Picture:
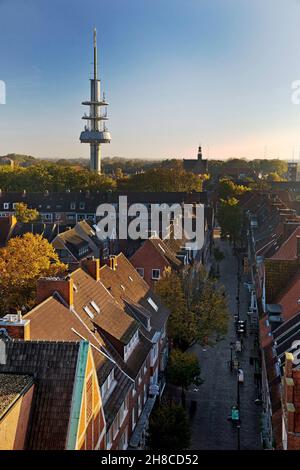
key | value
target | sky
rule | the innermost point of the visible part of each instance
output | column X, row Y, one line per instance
column 177, row 73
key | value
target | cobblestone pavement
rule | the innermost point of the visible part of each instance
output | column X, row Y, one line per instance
column 210, row 428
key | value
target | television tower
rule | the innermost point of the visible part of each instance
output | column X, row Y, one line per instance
column 95, row 132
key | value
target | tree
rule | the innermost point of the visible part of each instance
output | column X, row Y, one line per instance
column 169, row 428
column 229, row 216
column 22, row 262
column 274, row 177
column 183, row 370
column 182, row 325
column 219, row 256
column 212, row 313
column 25, row 215
column 162, row 179
column 227, row 189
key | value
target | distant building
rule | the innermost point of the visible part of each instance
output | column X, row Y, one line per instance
column 6, row 161
column 292, row 171
column 198, row 167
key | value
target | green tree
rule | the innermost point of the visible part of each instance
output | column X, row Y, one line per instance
column 183, row 370
column 219, row 257
column 169, row 429
column 227, row 189
column 22, row 262
column 182, row 324
column 229, row 216
column 211, row 311
column 162, row 179
column 24, row 214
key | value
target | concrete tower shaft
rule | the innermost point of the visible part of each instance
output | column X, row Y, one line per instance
column 95, row 132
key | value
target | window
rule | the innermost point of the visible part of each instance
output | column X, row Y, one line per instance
column 152, row 303
column 133, row 419
column 108, row 386
column 95, row 306
column 46, row 216
column 141, row 271
column 88, row 311
column 129, row 347
column 73, row 206
column 155, row 274
column 130, row 278
column 109, row 439
column 145, row 393
column 139, row 405
column 6, row 205
column 123, row 441
column 15, row 205
column 81, row 205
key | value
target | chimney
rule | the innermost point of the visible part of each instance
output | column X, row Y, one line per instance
column 46, row 287
column 113, row 262
column 92, row 266
column 298, row 246
column 16, row 327
column 200, row 153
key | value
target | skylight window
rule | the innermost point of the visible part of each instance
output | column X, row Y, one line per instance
column 152, row 303
column 75, row 288
column 88, row 311
column 130, row 278
column 122, row 287
column 95, row 306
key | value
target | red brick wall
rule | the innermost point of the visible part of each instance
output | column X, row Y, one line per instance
column 149, row 258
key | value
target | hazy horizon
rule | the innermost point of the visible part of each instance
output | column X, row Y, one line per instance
column 176, row 73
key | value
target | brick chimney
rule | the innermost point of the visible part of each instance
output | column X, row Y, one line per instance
column 92, row 266
column 46, row 287
column 113, row 262
column 16, row 327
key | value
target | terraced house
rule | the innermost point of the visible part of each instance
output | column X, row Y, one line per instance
column 112, row 313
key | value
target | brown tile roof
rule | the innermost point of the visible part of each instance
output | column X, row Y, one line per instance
column 112, row 318
column 11, row 387
column 165, row 251
column 288, row 250
column 289, row 298
column 136, row 291
column 53, row 365
column 52, row 321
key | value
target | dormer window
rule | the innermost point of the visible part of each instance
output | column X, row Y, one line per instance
column 95, row 306
column 152, row 303
column 129, row 347
column 88, row 311
column 155, row 274
column 141, row 271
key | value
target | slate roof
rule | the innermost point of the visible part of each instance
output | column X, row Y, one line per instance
column 289, row 298
column 53, row 365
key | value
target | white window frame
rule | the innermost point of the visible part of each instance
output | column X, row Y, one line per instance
column 154, row 278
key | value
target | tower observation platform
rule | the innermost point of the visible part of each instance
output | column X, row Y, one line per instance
column 95, row 132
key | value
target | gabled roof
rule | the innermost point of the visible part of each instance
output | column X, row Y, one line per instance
column 128, row 287
column 52, row 321
column 53, row 365
column 289, row 298
column 112, row 319
column 288, row 250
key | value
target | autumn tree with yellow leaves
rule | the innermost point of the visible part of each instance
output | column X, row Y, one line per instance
column 22, row 262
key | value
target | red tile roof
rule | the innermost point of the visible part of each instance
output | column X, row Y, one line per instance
column 288, row 250
column 289, row 299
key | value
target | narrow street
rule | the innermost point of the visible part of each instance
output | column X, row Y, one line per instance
column 211, row 429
